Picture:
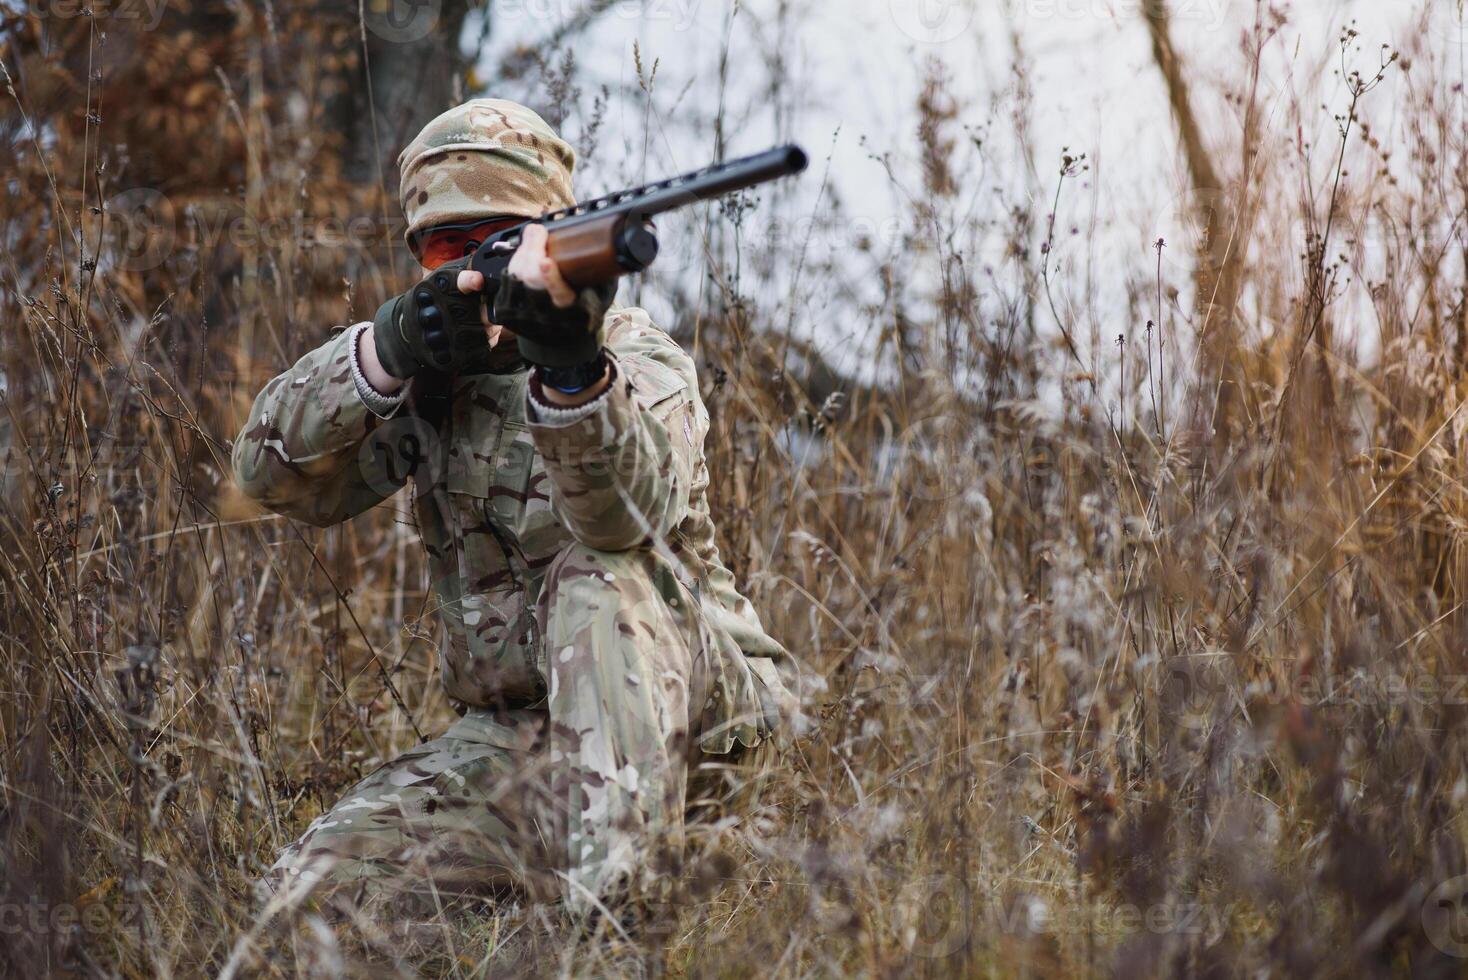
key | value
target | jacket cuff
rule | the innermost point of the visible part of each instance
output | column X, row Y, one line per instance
column 542, row 412
column 579, row 437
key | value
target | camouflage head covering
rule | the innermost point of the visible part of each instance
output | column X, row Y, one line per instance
column 485, row 158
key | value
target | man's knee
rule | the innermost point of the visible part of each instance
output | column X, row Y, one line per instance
column 581, row 575
column 597, row 602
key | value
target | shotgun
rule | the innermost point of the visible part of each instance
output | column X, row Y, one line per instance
column 594, row 243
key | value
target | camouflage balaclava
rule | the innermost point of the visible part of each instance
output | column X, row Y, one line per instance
column 485, row 158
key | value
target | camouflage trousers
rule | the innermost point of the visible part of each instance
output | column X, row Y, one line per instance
column 569, row 797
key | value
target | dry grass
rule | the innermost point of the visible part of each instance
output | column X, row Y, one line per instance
column 1138, row 659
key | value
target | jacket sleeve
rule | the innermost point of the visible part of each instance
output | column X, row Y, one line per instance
column 622, row 468
column 305, row 452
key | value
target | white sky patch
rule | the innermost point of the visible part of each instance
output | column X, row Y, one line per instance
column 849, row 76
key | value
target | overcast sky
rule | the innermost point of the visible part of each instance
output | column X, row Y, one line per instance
column 852, row 70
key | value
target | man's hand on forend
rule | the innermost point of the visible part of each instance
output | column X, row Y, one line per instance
column 558, row 326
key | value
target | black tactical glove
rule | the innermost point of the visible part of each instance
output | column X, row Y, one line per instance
column 432, row 326
column 551, row 336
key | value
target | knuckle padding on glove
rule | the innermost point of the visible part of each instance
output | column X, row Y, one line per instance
column 393, row 350
column 432, row 326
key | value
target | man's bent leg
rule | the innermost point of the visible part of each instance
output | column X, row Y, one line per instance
column 624, row 663
column 454, row 815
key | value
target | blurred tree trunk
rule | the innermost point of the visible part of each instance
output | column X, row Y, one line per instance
column 381, row 70
column 247, row 141
column 1222, row 248
column 410, row 69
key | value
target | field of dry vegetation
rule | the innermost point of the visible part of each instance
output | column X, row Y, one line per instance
column 1137, row 639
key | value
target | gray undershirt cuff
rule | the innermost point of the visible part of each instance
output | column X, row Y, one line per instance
column 383, row 406
column 547, row 414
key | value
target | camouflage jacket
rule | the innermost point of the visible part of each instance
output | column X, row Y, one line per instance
column 497, row 497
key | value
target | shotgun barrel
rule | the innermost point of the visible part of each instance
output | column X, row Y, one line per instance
column 597, row 241
column 663, row 196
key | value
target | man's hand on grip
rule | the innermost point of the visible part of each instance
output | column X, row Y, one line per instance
column 435, row 325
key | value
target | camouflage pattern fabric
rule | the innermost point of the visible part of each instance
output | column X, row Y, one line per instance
column 568, row 797
column 576, row 574
column 487, row 157
column 461, row 813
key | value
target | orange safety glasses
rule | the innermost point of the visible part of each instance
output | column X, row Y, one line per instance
column 441, row 244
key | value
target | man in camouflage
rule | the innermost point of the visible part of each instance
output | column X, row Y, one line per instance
column 594, row 641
